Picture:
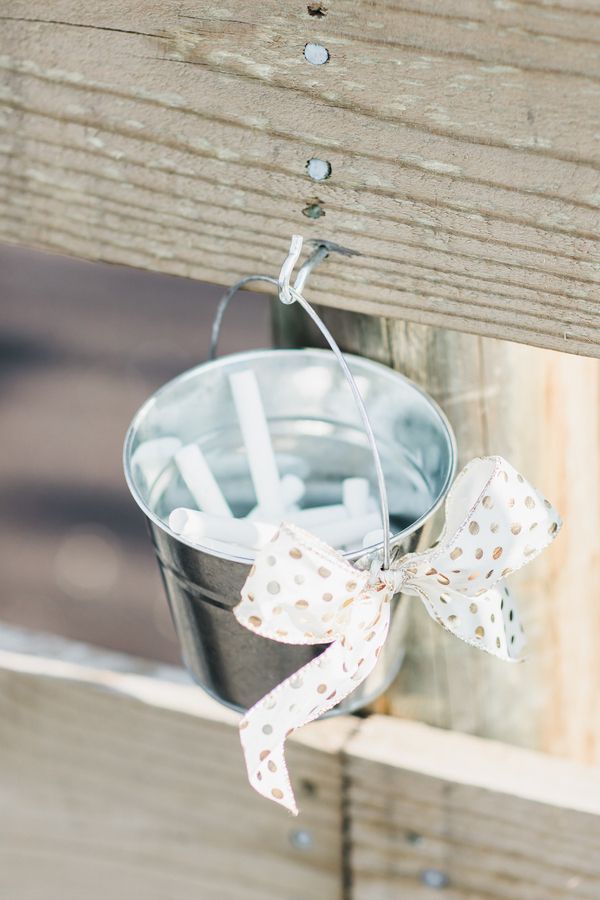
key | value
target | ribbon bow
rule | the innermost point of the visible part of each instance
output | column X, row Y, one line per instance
column 301, row 591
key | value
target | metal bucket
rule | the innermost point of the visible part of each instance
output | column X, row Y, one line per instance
column 317, row 433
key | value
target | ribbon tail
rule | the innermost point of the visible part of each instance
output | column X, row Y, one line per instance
column 306, row 695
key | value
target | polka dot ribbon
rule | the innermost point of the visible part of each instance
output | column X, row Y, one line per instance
column 301, row 591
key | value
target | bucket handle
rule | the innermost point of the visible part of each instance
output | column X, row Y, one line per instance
column 288, row 294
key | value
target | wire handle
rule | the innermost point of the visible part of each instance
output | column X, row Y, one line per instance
column 289, row 294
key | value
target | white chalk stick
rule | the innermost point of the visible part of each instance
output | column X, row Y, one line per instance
column 235, row 465
column 292, row 490
column 200, row 481
column 196, row 525
column 355, row 496
column 373, row 537
column 152, row 456
column 257, row 440
column 317, row 515
column 348, row 531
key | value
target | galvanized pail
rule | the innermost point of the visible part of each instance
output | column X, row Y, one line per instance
column 317, row 433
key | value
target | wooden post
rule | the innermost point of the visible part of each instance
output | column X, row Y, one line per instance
column 540, row 409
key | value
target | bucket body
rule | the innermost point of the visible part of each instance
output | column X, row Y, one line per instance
column 316, row 433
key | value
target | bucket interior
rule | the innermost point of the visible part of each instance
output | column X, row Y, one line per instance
column 315, row 429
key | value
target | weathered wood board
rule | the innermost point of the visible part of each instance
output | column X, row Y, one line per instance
column 462, row 136
column 132, row 786
column 433, row 813
column 117, row 780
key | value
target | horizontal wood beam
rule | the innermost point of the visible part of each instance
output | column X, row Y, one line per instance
column 127, row 785
column 462, row 139
column 120, row 779
column 436, row 809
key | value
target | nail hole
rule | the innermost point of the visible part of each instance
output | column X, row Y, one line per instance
column 313, row 211
column 316, row 54
column 318, row 169
column 413, row 837
column 317, row 9
column 309, row 788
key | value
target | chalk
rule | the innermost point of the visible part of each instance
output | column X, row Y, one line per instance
column 235, row 465
column 323, row 491
column 355, row 496
column 196, row 525
column 239, row 492
column 200, row 481
column 373, row 537
column 318, row 515
column 256, row 437
column 347, row 531
column 292, row 490
column 152, row 456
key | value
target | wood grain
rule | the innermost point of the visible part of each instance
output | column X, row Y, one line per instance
column 125, row 785
column 462, row 139
column 482, row 821
column 541, row 410
column 120, row 781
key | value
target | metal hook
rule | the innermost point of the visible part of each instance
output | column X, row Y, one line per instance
column 322, row 250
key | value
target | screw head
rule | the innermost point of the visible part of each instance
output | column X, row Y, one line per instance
column 435, row 878
column 318, row 169
column 301, row 839
column 316, row 54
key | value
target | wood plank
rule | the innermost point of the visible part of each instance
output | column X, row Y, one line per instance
column 541, row 410
column 119, row 781
column 462, row 139
column 125, row 785
column 433, row 810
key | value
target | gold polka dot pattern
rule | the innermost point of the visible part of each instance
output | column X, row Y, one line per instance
column 301, row 591
column 505, row 523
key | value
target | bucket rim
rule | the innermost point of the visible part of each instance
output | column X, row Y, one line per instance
column 310, row 352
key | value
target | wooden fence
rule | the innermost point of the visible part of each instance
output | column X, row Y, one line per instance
column 462, row 141
column 119, row 779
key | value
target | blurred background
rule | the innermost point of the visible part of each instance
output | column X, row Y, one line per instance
column 82, row 345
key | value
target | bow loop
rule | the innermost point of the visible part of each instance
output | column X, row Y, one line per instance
column 496, row 522
column 300, row 590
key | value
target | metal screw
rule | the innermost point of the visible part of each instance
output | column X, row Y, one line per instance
column 435, row 878
column 318, row 169
column 316, row 54
column 301, row 839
